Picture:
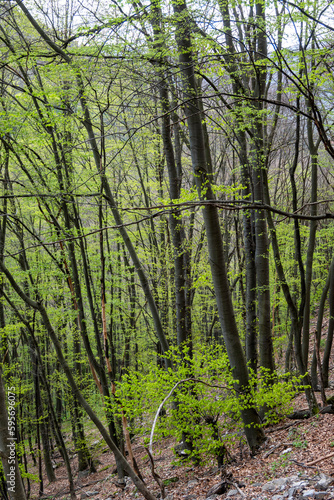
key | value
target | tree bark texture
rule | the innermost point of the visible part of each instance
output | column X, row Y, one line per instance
column 235, row 352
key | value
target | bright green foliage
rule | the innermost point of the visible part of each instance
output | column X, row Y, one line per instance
column 206, row 409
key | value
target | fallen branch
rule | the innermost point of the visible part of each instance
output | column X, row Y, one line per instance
column 302, row 465
column 236, row 487
column 300, row 415
column 266, row 455
column 269, row 431
column 320, row 459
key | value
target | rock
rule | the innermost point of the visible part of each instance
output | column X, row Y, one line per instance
column 324, row 482
column 308, row 493
column 83, row 473
column 315, row 494
column 300, row 484
column 218, row 489
column 192, row 483
column 269, row 487
column 275, row 483
column 88, row 494
column 293, row 478
column 291, row 492
column 278, row 497
column 232, row 493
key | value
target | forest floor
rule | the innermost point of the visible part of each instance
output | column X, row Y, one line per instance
column 291, row 445
column 290, row 449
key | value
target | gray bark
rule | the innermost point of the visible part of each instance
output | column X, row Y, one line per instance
column 313, row 148
column 175, row 218
column 329, row 338
column 235, row 352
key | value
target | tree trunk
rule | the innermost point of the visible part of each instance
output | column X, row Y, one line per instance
column 329, row 338
column 249, row 248
column 15, row 488
column 311, row 242
column 254, row 433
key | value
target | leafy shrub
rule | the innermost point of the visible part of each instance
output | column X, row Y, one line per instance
column 204, row 408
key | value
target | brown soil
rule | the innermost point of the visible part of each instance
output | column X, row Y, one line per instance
column 291, row 445
column 289, row 449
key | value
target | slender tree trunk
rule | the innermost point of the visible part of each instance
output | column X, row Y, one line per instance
column 321, row 310
column 256, row 241
column 295, row 317
column 259, row 181
column 313, row 148
column 329, row 338
column 249, row 248
column 15, row 488
column 38, row 306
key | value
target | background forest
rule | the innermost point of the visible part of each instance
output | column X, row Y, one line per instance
column 166, row 201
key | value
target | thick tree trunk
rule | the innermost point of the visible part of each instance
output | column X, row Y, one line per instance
column 254, row 433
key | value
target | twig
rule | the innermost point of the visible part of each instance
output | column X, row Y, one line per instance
column 303, row 465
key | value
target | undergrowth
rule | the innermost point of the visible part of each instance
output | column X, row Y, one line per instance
column 204, row 409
